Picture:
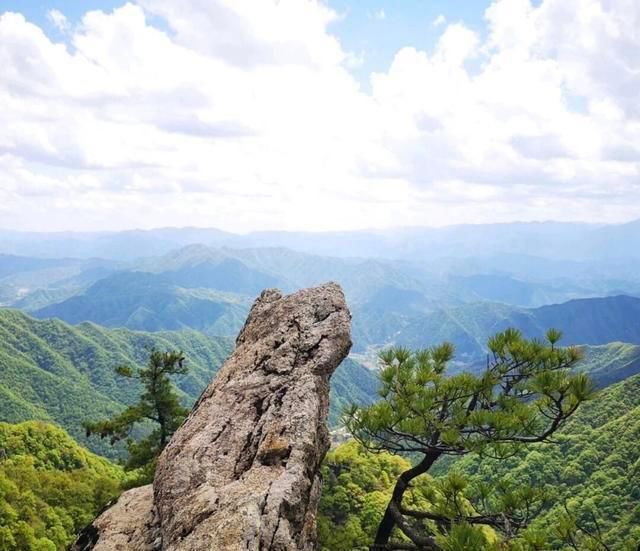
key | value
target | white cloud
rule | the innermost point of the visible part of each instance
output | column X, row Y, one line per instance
column 438, row 21
column 378, row 15
column 243, row 115
column 58, row 19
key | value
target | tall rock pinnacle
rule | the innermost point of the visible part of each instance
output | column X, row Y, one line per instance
column 242, row 473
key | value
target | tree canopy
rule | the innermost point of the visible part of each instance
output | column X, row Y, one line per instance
column 158, row 404
column 50, row 487
column 523, row 396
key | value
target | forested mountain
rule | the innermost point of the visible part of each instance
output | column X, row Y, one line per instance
column 152, row 302
column 51, row 370
column 584, row 321
column 592, row 466
column 610, row 363
column 211, row 290
column 290, row 270
column 50, row 487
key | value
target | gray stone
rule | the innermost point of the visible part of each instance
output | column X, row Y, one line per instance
column 242, row 473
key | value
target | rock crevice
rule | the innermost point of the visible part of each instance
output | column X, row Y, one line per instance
column 242, row 473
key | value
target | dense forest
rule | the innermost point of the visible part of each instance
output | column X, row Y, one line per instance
column 50, row 487
column 51, row 370
column 592, row 466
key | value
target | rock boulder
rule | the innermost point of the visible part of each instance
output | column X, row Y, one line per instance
column 242, row 473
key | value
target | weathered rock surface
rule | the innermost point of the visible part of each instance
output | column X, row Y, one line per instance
column 242, row 473
column 130, row 524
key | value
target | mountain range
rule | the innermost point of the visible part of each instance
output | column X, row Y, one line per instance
column 559, row 240
column 50, row 370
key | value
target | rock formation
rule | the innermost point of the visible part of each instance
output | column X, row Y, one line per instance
column 242, row 473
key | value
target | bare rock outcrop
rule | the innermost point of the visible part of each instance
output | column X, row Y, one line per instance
column 242, row 473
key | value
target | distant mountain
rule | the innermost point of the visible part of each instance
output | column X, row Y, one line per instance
column 211, row 290
column 205, row 267
column 125, row 245
column 50, row 370
column 557, row 240
column 593, row 321
column 585, row 321
column 289, row 270
column 28, row 283
column 12, row 264
column 609, row 363
column 151, row 302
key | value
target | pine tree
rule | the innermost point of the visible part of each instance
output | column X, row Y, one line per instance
column 523, row 396
column 158, row 404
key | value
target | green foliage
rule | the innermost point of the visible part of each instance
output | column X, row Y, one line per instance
column 158, row 404
column 526, row 393
column 50, row 370
column 592, row 468
column 49, row 487
column 357, row 486
column 423, row 408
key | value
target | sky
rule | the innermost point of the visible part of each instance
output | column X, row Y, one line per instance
column 308, row 115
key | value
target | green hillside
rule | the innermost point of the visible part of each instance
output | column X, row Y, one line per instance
column 592, row 465
column 593, row 321
column 54, row 371
column 50, row 487
column 610, row 363
column 151, row 302
column 351, row 383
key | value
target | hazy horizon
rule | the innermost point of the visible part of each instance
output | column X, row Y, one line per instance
column 293, row 231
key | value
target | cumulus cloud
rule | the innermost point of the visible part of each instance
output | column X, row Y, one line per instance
column 244, row 115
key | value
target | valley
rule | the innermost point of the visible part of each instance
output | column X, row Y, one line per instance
column 67, row 323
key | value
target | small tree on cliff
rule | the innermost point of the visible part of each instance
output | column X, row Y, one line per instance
column 158, row 404
column 524, row 396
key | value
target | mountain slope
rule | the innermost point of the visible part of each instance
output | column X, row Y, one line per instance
column 50, row 487
column 27, row 282
column 584, row 321
column 607, row 364
column 151, row 302
column 593, row 464
column 52, row 371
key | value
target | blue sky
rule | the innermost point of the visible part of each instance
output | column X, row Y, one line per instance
column 300, row 115
column 373, row 30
